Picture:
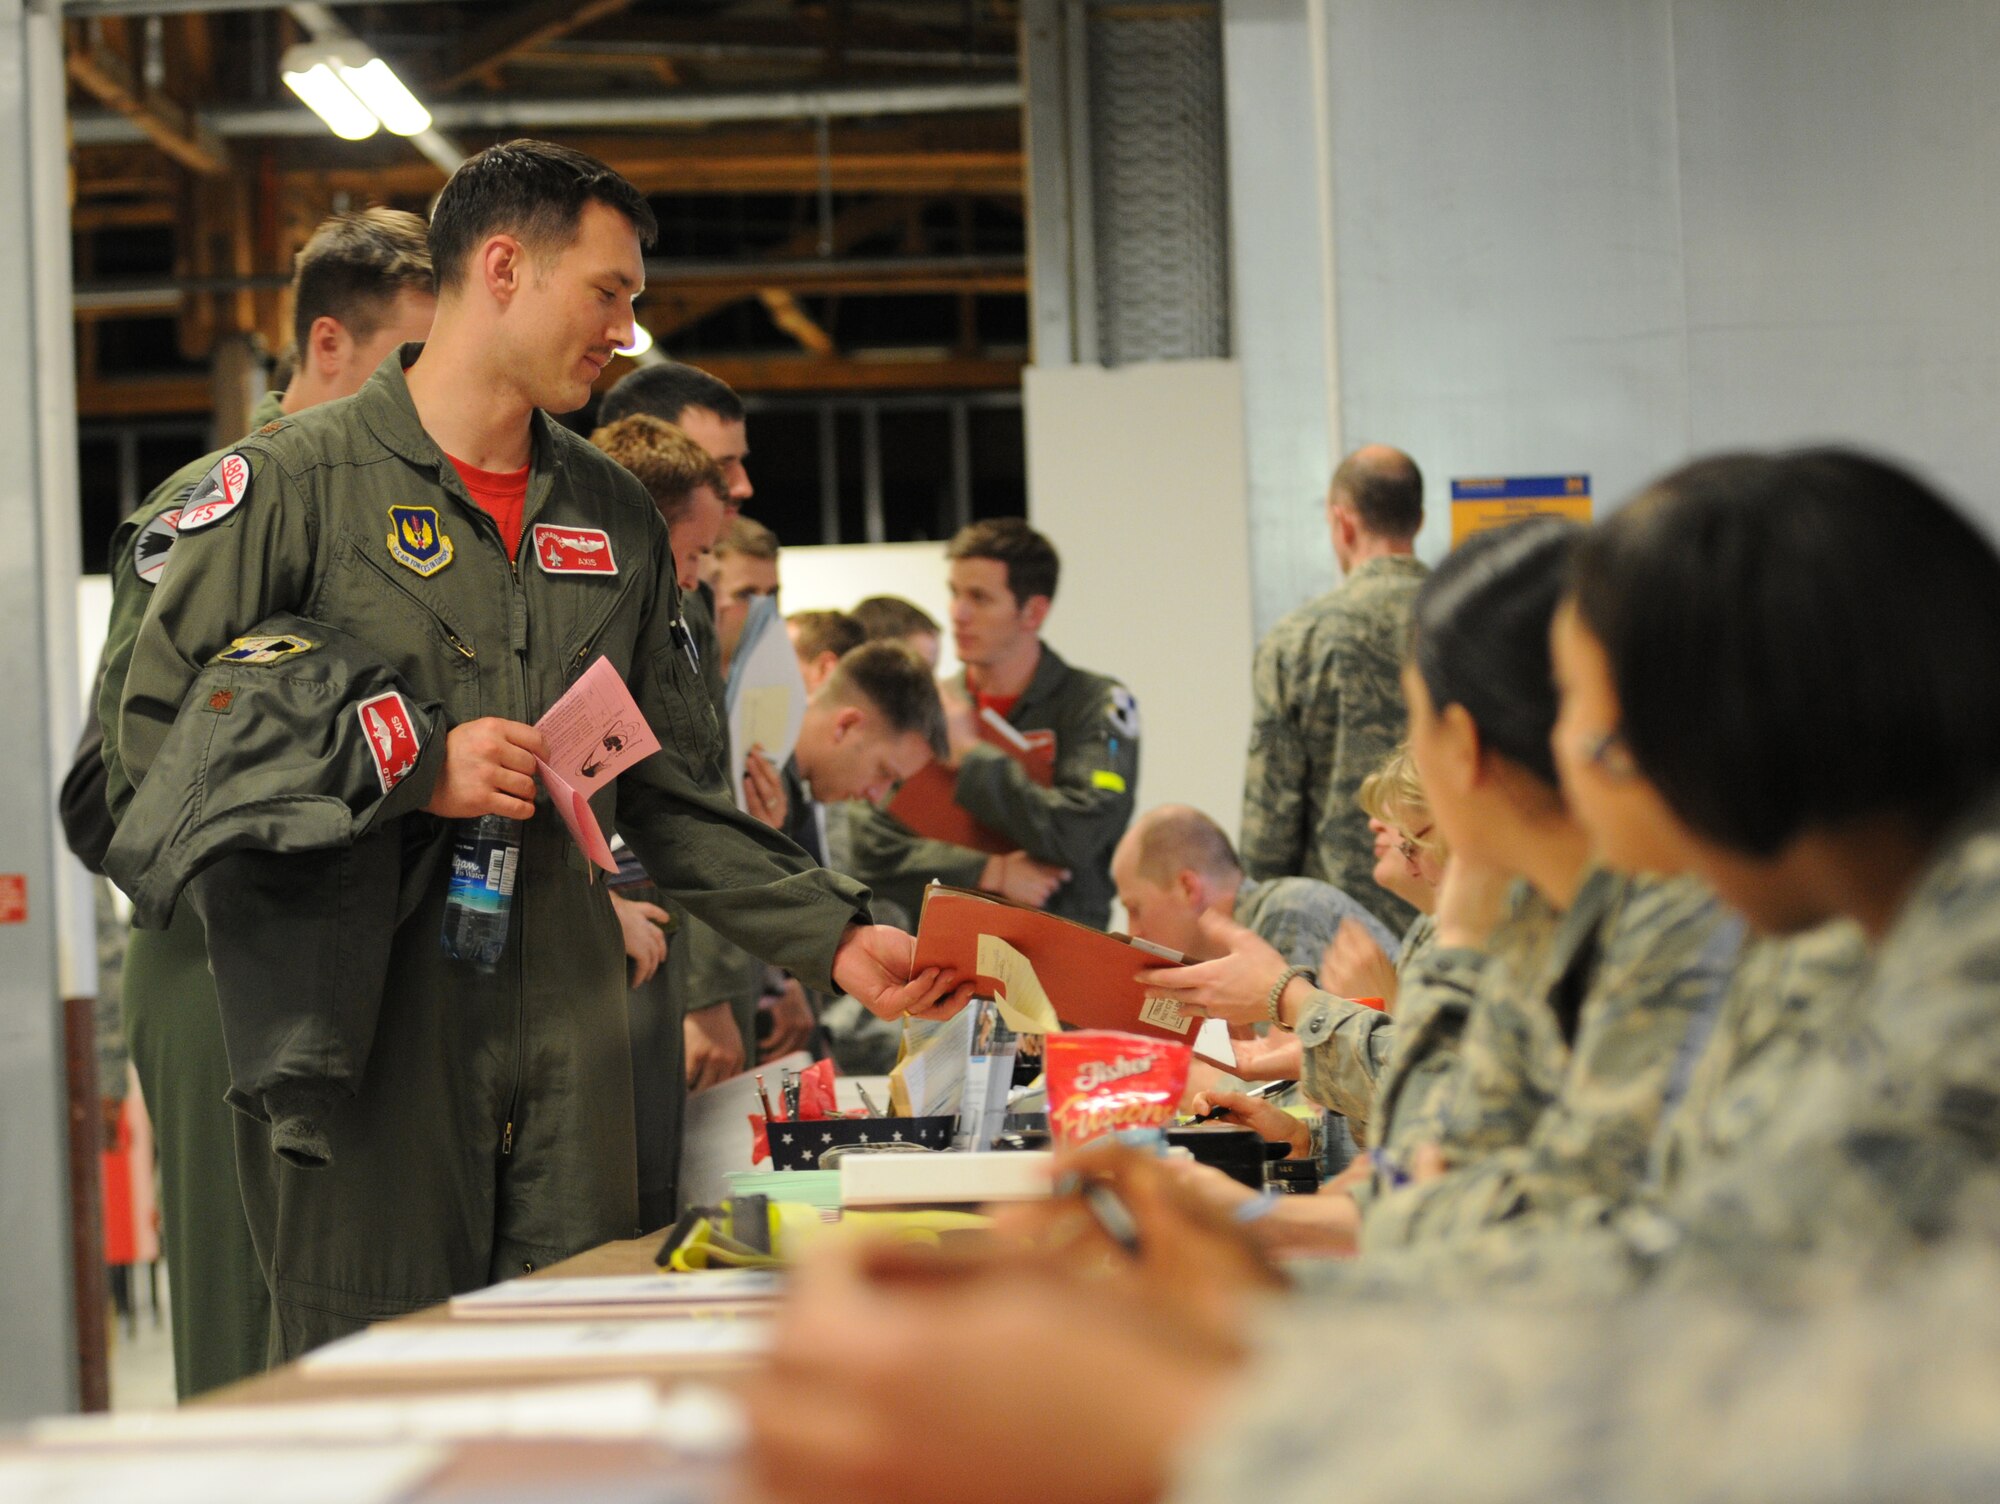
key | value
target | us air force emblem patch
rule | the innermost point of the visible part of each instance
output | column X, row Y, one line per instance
column 417, row 540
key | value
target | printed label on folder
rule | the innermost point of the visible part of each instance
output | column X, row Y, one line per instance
column 1164, row 1013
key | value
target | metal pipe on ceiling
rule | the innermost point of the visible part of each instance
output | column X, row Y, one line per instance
column 104, row 128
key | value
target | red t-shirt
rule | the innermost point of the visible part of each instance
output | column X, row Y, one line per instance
column 504, row 494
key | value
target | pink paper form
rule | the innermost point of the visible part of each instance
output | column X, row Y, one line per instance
column 595, row 732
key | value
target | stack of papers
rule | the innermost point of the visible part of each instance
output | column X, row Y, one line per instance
column 639, row 1294
column 549, row 1346
column 819, row 1189
column 208, row 1475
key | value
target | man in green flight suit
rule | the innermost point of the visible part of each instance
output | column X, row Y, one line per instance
column 1003, row 582
column 491, row 1130
column 361, row 287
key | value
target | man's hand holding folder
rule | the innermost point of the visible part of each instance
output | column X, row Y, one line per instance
column 1089, row 977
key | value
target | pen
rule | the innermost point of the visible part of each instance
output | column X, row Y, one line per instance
column 1268, row 1089
column 1107, row 1209
column 761, row 1097
column 867, row 1101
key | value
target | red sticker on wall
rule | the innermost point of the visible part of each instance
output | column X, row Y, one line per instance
column 13, row 898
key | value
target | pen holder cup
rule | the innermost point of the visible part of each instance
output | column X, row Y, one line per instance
column 798, row 1146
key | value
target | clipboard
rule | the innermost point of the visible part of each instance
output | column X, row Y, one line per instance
column 927, row 802
column 1087, row 973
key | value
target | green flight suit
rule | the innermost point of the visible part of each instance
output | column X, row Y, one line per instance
column 1075, row 824
column 220, row 1308
column 492, row 1132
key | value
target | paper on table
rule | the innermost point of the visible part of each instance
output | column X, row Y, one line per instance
column 411, row 1345
column 724, row 1287
column 1023, row 1003
column 598, row 1409
column 766, row 694
column 594, row 733
column 242, row 1475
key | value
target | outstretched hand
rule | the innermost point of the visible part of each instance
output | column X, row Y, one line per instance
column 873, row 965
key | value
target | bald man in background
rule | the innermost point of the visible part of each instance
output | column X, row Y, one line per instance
column 1329, row 696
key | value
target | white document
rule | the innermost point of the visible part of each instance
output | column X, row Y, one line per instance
column 728, row 1287
column 237, row 1475
column 933, row 1072
column 418, row 1345
column 765, row 694
column 601, row 1409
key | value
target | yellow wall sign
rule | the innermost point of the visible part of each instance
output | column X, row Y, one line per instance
column 1483, row 502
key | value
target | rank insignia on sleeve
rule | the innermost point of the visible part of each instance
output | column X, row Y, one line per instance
column 149, row 549
column 392, row 737
column 573, row 550
column 1124, row 715
column 221, row 492
column 417, row 540
column 262, row 649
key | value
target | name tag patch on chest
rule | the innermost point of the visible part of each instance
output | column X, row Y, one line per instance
column 392, row 737
column 149, row 549
column 417, row 540
column 221, row 492
column 262, row 649
column 573, row 550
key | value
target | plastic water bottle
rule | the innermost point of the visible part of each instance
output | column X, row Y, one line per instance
column 484, row 858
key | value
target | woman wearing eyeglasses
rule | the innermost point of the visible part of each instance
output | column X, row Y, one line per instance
column 1536, row 1050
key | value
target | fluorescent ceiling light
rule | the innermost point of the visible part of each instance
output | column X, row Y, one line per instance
column 376, row 85
column 642, row 340
column 330, row 99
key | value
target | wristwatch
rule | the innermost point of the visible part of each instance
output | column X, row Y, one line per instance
column 1278, row 991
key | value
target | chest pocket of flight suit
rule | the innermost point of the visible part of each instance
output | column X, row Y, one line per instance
column 437, row 661
column 695, row 727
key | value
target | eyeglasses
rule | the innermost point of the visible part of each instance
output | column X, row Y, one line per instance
column 1610, row 753
column 1408, row 847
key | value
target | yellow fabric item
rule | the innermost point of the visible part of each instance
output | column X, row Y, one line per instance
column 794, row 1225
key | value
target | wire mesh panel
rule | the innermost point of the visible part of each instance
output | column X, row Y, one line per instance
column 1158, row 181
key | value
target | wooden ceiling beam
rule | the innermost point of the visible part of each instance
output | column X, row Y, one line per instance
column 517, row 29
column 171, row 127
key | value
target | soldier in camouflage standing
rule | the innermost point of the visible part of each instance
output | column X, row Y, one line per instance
column 1329, row 705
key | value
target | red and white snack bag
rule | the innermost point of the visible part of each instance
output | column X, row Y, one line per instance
column 1105, row 1084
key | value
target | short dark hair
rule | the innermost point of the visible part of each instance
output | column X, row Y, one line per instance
column 1386, row 490
column 666, row 391
column 1799, row 640
column 886, row 618
column 819, row 632
column 353, row 268
column 1480, row 635
column 899, row 685
column 1030, row 559
column 532, row 190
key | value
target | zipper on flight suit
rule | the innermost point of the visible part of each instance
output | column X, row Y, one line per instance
column 518, row 628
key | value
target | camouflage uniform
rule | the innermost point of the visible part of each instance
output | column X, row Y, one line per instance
column 1885, row 1398
column 1392, row 1077
column 1887, row 1137
column 1329, row 710
column 1567, row 1071
column 1299, row 917
column 1347, row 1045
